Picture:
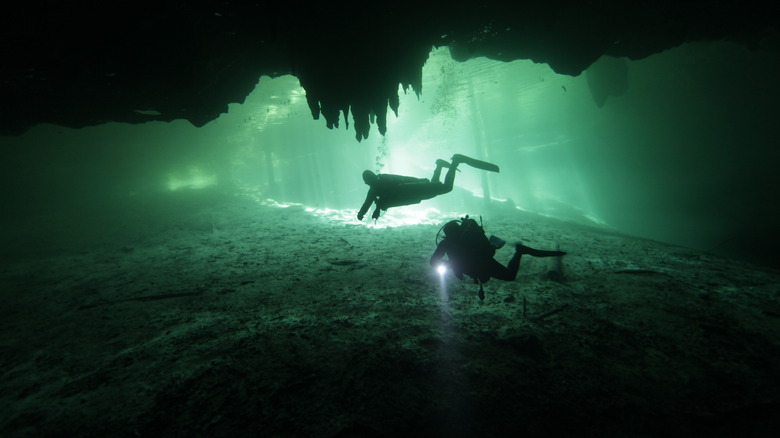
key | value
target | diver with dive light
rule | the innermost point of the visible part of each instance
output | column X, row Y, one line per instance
column 469, row 251
column 388, row 190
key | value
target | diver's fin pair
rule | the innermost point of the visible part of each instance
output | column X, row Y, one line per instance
column 484, row 165
column 522, row 249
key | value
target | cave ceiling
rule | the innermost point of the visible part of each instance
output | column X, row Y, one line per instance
column 141, row 61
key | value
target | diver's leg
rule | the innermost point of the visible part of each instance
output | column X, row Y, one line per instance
column 429, row 190
column 437, row 171
column 508, row 272
column 479, row 164
column 435, row 188
column 449, row 178
column 538, row 252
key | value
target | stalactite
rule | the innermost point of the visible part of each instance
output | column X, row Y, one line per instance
column 335, row 89
column 186, row 68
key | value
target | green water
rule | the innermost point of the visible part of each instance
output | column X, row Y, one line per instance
column 683, row 150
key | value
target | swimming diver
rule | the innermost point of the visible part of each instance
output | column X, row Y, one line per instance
column 469, row 251
column 389, row 190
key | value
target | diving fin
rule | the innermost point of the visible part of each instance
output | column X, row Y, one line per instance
column 484, row 165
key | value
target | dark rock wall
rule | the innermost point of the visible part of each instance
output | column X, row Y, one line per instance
column 84, row 65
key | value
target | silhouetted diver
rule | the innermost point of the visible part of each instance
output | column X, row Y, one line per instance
column 389, row 190
column 470, row 252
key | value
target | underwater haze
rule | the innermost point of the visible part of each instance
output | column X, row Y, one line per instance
column 679, row 147
column 165, row 280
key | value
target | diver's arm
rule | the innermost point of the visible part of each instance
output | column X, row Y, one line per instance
column 370, row 198
column 441, row 250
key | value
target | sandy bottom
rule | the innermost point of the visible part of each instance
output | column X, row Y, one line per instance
column 233, row 319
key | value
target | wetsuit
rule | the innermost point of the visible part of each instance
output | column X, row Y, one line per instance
column 396, row 190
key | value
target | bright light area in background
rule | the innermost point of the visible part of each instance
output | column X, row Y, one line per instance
column 516, row 115
column 194, row 177
column 403, row 216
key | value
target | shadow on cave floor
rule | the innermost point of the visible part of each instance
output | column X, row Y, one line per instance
column 236, row 319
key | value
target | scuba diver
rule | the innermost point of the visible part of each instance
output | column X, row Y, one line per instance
column 469, row 251
column 389, row 190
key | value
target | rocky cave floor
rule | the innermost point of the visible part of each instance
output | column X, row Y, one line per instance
column 236, row 319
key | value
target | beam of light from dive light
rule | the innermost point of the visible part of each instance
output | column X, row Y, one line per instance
column 442, row 269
